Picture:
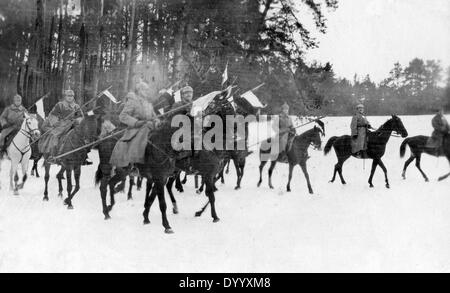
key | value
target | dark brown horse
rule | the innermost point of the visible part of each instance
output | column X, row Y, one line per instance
column 446, row 148
column 84, row 133
column 418, row 146
column 297, row 155
column 376, row 147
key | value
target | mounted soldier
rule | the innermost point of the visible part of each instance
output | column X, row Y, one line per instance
column 286, row 132
column 61, row 119
column 11, row 120
column 359, row 127
column 138, row 114
column 186, row 94
column 441, row 127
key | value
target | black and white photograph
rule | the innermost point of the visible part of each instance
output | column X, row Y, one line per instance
column 224, row 136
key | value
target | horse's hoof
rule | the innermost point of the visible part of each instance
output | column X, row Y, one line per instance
column 168, row 231
column 388, row 186
column 427, row 180
column 37, row 176
column 216, row 220
column 60, row 194
column 175, row 211
column 198, row 192
column 198, row 214
column 45, row 199
column 271, row 187
column 129, row 198
column 110, row 207
column 107, row 217
column 16, row 192
column 371, row 186
column 311, row 192
column 237, row 188
column 146, row 221
column 288, row 190
column 259, row 184
column 70, row 207
column 138, row 189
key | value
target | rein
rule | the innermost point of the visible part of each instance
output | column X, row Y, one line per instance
column 27, row 133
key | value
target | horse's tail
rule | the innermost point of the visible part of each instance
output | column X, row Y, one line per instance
column 403, row 147
column 329, row 144
column 98, row 176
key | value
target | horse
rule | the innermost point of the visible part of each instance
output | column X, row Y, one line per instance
column 86, row 132
column 297, row 155
column 446, row 148
column 418, row 146
column 19, row 151
column 376, row 147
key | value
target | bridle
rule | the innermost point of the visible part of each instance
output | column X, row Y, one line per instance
column 28, row 134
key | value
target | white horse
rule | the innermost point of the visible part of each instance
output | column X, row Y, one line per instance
column 19, row 151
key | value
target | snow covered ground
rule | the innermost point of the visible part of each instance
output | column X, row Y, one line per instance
column 338, row 229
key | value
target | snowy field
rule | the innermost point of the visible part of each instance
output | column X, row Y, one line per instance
column 348, row 228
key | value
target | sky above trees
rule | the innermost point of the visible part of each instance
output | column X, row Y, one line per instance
column 368, row 37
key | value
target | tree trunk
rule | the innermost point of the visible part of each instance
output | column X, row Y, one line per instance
column 99, row 49
column 130, row 48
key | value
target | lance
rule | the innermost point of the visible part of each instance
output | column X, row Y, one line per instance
column 43, row 97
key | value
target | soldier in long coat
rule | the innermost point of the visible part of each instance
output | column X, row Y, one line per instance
column 139, row 116
column 441, row 127
column 359, row 126
column 63, row 117
column 11, row 120
column 286, row 131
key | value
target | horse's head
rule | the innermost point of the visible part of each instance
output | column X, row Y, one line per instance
column 398, row 127
column 316, row 140
column 31, row 126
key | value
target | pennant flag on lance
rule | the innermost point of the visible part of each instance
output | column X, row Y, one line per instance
column 252, row 99
column 225, row 75
column 202, row 103
column 177, row 96
column 40, row 107
column 110, row 96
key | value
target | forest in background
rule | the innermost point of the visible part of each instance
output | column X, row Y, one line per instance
column 50, row 45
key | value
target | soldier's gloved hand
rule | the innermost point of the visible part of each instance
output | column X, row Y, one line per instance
column 140, row 123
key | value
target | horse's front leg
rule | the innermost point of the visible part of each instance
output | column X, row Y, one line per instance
column 103, row 194
column 291, row 168
column 77, row 175
column 372, row 172
column 46, row 178
column 261, row 168
column 130, row 188
column 69, row 188
column 272, row 166
column 159, row 186
column 238, row 175
column 380, row 162
column 24, row 172
column 14, row 178
column 149, row 199
column 305, row 172
column 212, row 199
column 169, row 186
column 60, row 177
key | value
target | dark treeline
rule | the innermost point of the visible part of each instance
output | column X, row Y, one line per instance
column 89, row 45
column 51, row 45
column 418, row 88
